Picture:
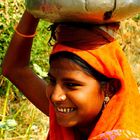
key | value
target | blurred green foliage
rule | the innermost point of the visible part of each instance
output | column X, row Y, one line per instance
column 136, row 17
column 10, row 13
column 14, row 107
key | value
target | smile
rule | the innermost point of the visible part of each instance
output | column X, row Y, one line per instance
column 65, row 110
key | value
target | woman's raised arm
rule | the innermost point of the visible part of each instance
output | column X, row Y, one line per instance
column 16, row 64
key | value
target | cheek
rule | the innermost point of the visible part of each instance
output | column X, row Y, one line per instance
column 90, row 96
column 96, row 101
column 88, row 101
column 88, row 107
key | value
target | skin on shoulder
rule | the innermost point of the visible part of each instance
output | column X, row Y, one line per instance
column 16, row 68
column 77, row 96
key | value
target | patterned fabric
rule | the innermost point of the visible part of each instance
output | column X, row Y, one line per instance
column 117, row 135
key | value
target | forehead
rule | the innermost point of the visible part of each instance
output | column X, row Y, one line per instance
column 66, row 65
column 67, row 69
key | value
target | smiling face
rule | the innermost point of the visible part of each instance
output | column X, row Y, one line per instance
column 76, row 95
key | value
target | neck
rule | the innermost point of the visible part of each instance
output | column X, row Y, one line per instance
column 83, row 132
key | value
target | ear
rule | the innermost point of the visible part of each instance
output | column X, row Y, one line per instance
column 114, row 85
column 111, row 87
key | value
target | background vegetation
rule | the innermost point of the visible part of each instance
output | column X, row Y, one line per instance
column 19, row 119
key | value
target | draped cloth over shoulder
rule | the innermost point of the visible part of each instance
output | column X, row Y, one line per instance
column 103, row 53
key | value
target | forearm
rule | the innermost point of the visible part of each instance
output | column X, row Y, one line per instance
column 16, row 64
column 18, row 53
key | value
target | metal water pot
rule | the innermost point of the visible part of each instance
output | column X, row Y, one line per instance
column 96, row 11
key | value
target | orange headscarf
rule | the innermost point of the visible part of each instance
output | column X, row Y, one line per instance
column 103, row 53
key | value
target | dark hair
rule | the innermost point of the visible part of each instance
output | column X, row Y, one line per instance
column 82, row 63
column 53, row 27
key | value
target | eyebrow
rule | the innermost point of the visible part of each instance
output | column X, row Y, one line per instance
column 67, row 79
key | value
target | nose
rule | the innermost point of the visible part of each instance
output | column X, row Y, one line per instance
column 57, row 94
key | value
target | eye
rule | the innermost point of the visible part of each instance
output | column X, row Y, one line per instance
column 72, row 85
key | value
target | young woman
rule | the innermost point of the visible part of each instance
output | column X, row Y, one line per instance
column 91, row 93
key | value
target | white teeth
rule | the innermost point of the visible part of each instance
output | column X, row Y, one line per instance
column 61, row 110
column 68, row 109
column 65, row 110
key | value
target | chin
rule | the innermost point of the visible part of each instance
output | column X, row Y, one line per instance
column 67, row 124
